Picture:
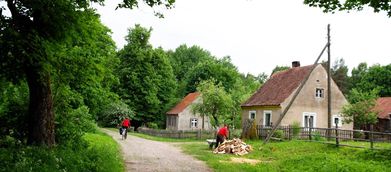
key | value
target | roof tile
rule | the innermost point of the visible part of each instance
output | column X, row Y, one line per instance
column 184, row 103
column 278, row 87
column 383, row 105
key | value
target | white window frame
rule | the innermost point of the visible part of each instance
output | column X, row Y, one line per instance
column 319, row 95
column 264, row 117
column 250, row 112
column 309, row 114
column 194, row 121
column 340, row 119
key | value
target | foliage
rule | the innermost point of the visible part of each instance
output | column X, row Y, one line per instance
column 152, row 125
column 334, row 5
column 278, row 134
column 102, row 154
column 114, row 113
column 316, row 136
column 290, row 156
column 360, row 109
column 296, row 129
column 146, row 77
column 376, row 77
column 216, row 102
column 278, row 69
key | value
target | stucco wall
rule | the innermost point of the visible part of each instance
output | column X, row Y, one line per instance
column 187, row 114
column 259, row 113
column 306, row 102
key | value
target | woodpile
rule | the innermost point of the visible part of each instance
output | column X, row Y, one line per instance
column 235, row 146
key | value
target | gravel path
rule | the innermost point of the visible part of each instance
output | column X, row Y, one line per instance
column 146, row 155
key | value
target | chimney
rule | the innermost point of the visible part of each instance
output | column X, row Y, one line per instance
column 295, row 64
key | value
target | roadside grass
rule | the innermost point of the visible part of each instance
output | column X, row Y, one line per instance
column 97, row 152
column 295, row 156
column 160, row 139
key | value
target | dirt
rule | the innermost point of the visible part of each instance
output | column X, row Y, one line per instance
column 146, row 155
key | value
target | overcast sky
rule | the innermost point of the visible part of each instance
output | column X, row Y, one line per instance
column 260, row 34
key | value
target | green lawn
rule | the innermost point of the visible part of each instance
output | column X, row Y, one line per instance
column 291, row 156
column 296, row 156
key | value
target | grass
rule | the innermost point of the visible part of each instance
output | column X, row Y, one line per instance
column 296, row 156
column 160, row 139
column 98, row 152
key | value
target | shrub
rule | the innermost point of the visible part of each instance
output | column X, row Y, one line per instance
column 316, row 136
column 236, row 133
column 152, row 125
column 278, row 134
column 295, row 129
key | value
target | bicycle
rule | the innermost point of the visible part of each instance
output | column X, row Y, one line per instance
column 124, row 133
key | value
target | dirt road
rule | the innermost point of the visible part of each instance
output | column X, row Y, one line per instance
column 146, row 155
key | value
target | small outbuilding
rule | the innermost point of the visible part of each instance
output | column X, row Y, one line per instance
column 182, row 117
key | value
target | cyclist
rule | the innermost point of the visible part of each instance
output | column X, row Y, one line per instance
column 125, row 126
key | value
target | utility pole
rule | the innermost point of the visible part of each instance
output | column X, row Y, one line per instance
column 328, row 82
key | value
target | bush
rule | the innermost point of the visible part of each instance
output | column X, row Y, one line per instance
column 152, row 125
column 71, row 126
column 278, row 134
column 101, row 153
column 114, row 113
column 236, row 133
column 317, row 137
column 295, row 129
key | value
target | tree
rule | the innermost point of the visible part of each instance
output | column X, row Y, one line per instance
column 147, row 82
column 28, row 36
column 360, row 110
column 278, row 69
column 358, row 74
column 334, row 5
column 216, row 102
column 220, row 70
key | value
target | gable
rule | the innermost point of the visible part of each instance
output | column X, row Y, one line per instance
column 279, row 87
column 184, row 103
column 383, row 106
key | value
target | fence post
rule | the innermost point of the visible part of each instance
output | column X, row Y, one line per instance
column 309, row 133
column 289, row 132
column 336, row 133
column 371, row 135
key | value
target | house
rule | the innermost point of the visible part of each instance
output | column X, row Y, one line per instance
column 310, row 106
column 383, row 107
column 181, row 117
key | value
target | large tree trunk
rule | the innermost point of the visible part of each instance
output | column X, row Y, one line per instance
column 40, row 113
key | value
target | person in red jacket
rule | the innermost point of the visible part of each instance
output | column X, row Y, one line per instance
column 125, row 124
column 222, row 134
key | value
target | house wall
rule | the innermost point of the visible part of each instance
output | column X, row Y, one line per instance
column 307, row 102
column 187, row 114
column 276, row 111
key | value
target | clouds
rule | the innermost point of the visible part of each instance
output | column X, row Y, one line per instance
column 258, row 35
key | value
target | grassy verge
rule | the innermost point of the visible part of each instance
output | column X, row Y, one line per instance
column 295, row 156
column 160, row 139
column 98, row 153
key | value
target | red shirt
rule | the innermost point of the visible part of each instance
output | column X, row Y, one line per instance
column 223, row 131
column 126, row 123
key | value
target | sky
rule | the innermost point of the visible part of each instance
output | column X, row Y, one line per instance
column 259, row 34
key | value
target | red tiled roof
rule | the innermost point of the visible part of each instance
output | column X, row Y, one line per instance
column 383, row 106
column 278, row 87
column 183, row 104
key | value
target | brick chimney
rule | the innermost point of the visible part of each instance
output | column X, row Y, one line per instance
column 295, row 64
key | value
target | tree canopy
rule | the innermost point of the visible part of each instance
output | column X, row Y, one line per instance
column 348, row 5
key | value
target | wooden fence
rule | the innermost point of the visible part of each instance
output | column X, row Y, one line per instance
column 179, row 134
column 305, row 133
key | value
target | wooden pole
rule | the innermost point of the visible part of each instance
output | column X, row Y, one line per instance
column 328, row 82
column 294, row 97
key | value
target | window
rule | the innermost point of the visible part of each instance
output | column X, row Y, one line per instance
column 267, row 118
column 337, row 119
column 252, row 114
column 193, row 122
column 319, row 93
column 309, row 119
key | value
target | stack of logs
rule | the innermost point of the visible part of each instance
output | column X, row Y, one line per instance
column 235, row 146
